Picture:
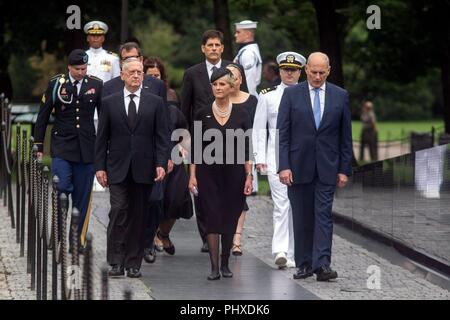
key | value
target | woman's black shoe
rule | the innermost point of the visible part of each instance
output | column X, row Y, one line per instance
column 171, row 248
column 226, row 272
column 214, row 276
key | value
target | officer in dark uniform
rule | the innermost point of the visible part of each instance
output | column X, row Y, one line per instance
column 73, row 97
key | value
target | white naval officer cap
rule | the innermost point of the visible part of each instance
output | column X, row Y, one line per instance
column 246, row 24
column 95, row 27
column 290, row 59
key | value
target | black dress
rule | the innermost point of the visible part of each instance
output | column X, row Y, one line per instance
column 249, row 106
column 221, row 185
column 177, row 200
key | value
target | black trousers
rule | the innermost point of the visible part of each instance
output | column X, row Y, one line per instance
column 129, row 208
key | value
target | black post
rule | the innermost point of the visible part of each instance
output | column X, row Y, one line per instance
column 18, row 181
column 32, row 220
column 30, row 202
column 23, row 193
column 127, row 294
column 54, row 237
column 105, row 288
column 63, row 250
column 7, row 154
column 45, row 181
column 39, row 229
column 75, row 254
column 87, row 272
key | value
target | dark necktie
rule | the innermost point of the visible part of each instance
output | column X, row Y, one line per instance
column 131, row 112
column 75, row 87
column 214, row 68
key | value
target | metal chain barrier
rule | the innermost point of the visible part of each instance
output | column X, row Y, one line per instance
column 29, row 215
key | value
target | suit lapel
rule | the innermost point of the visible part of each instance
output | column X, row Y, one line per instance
column 203, row 71
column 123, row 110
column 327, row 106
column 140, row 111
column 307, row 97
column 84, row 86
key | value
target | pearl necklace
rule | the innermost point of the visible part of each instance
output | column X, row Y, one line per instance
column 222, row 114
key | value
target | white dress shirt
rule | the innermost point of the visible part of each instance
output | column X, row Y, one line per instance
column 209, row 67
column 127, row 99
column 312, row 94
column 265, row 150
column 250, row 58
column 72, row 80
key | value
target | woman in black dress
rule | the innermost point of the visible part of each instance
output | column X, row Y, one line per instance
column 248, row 102
column 177, row 201
column 220, row 184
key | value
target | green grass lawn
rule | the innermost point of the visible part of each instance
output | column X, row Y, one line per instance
column 397, row 130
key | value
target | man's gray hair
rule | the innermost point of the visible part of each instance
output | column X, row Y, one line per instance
column 129, row 60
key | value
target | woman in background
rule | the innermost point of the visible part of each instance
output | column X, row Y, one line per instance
column 248, row 102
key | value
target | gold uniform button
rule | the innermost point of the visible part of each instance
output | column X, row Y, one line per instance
column 78, row 101
column 78, row 126
column 78, row 110
column 78, row 118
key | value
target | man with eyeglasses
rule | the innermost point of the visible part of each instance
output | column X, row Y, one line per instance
column 289, row 64
column 150, row 84
column 131, row 155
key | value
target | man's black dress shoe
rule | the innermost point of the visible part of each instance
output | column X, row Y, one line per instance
column 149, row 255
column 226, row 272
column 214, row 276
column 325, row 273
column 205, row 247
column 303, row 272
column 133, row 273
column 116, row 271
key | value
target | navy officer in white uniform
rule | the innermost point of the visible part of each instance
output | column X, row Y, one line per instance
column 289, row 64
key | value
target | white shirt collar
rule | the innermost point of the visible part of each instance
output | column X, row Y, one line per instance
column 96, row 50
column 322, row 87
column 209, row 65
column 126, row 93
column 72, row 79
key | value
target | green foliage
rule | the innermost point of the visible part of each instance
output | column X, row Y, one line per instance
column 396, row 130
column 161, row 42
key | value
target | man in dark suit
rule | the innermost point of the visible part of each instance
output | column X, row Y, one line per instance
column 315, row 155
column 150, row 84
column 132, row 149
column 196, row 92
column 73, row 97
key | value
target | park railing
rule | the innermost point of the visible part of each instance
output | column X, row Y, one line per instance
column 39, row 216
column 407, row 142
column 405, row 202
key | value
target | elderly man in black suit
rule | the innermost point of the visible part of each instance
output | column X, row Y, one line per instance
column 149, row 83
column 132, row 149
column 196, row 91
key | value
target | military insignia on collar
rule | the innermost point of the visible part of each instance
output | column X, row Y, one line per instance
column 62, row 80
column 43, row 98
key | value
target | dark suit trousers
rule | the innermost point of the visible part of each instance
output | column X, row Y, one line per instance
column 312, row 220
column 129, row 207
